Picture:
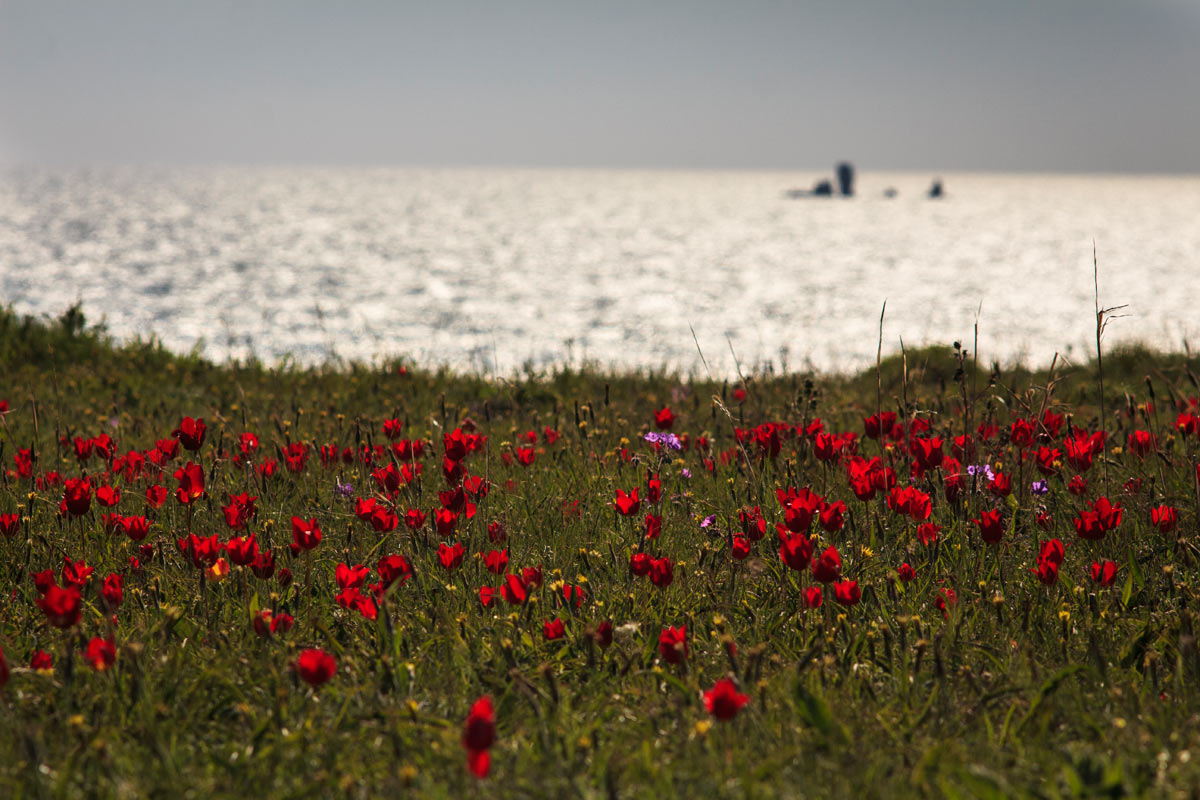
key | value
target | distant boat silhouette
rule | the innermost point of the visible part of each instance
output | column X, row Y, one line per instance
column 935, row 190
column 822, row 188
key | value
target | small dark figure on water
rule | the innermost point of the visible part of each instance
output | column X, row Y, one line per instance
column 935, row 190
column 845, row 177
column 823, row 189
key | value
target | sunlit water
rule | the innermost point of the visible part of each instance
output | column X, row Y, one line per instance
column 491, row 269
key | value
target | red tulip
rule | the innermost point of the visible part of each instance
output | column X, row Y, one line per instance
column 724, row 701
column 553, row 629
column 101, row 653
column 672, row 644
column 191, row 483
column 1164, row 518
column 991, row 526
column 315, row 666
column 796, row 551
column 190, row 433
column 306, row 534
column 627, row 504
column 1104, row 573
column 479, row 734
column 828, row 566
column 847, row 593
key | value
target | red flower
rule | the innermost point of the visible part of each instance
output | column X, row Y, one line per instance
column 394, row 568
column 741, row 547
column 1077, row 486
column 156, row 495
column 242, row 550
column 1103, row 518
column 108, row 496
column 1000, row 485
column 348, row 577
column 306, row 534
column 796, row 551
column 991, row 526
column 653, row 526
column 1052, row 550
column 603, row 635
column 927, row 533
column 479, row 734
column 513, row 590
column 905, row 572
column 77, row 496
column 664, row 419
column 946, row 597
column 191, row 483
column 639, row 564
column 190, row 433
column 662, row 571
column 1104, row 573
column 672, row 644
column 414, row 518
column 653, row 489
column 1142, row 443
column 392, row 428
column 487, row 596
column 878, row 425
column 627, row 504
column 1046, row 572
column 112, row 592
column 910, row 502
column 1048, row 459
column 813, row 597
column 101, row 653
column 847, row 593
column 828, row 566
column 315, row 666
column 724, row 701
column 76, row 573
column 61, row 606
column 1164, row 518
column 41, row 661
column 496, row 561
column 531, row 577
column 553, row 629
column 10, row 524
column 136, row 528
column 451, row 556
column 445, row 521
column 833, row 516
column 263, row 565
column 800, row 509
column 201, row 552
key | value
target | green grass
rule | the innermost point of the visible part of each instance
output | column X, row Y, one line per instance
column 1067, row 690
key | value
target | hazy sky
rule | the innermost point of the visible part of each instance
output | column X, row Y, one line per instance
column 961, row 84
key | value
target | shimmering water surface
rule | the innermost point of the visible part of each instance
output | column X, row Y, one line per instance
column 489, row 269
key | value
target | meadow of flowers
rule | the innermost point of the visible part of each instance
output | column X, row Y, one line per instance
column 928, row 579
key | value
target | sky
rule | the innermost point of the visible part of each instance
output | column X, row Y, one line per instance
column 1026, row 85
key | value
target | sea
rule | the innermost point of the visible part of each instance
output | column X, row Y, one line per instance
column 495, row 271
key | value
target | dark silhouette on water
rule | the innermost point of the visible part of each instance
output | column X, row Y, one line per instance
column 935, row 190
column 845, row 177
column 821, row 188
column 824, row 187
column 890, row 192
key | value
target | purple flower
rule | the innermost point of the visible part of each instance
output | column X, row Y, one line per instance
column 342, row 489
column 687, row 473
column 708, row 521
column 1039, row 487
column 984, row 470
column 668, row 440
